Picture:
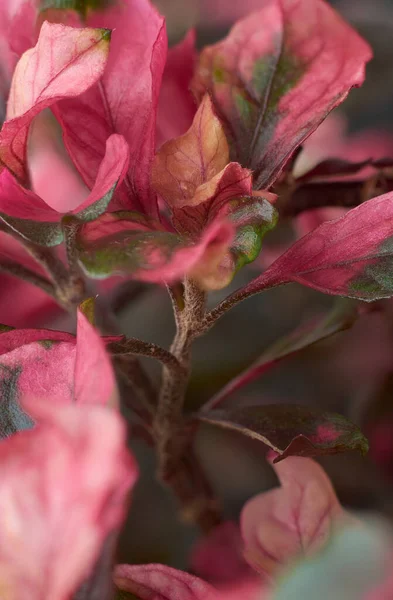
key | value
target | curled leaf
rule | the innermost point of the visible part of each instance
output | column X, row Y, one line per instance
column 185, row 164
column 64, row 63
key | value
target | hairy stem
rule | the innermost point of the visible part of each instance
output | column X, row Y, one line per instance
column 178, row 467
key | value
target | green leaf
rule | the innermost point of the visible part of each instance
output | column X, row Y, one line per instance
column 82, row 7
column 253, row 217
column 291, row 430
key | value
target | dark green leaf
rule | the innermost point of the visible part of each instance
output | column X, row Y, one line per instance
column 291, row 430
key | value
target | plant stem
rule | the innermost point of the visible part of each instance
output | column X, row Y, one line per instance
column 178, row 467
column 17, row 270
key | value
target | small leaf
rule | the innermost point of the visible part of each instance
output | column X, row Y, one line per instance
column 277, row 75
column 87, row 308
column 291, row 430
column 351, row 256
column 341, row 317
column 252, row 218
column 185, row 164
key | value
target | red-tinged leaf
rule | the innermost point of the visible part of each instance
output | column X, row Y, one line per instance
column 218, row 556
column 117, row 243
column 94, row 379
column 342, row 317
column 110, row 175
column 332, row 167
column 176, row 106
column 64, row 63
column 277, row 75
column 184, row 165
column 28, row 214
column 124, row 102
column 351, row 256
column 64, row 482
column 232, row 182
column 291, row 430
column 295, row 519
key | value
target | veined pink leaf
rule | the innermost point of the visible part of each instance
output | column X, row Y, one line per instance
column 55, row 367
column 65, row 483
column 64, row 63
column 183, row 165
column 277, row 75
column 28, row 214
column 176, row 105
column 159, row 582
column 124, row 101
column 134, row 248
column 340, row 318
column 350, row 256
column 290, row 429
column 295, row 519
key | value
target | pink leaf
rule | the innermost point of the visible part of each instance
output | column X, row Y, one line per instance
column 94, row 379
column 277, row 75
column 176, row 106
column 62, row 492
column 295, row 519
column 159, row 582
column 64, row 63
column 124, row 102
column 350, row 256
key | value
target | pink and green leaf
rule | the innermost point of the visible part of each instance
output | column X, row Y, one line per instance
column 54, row 367
column 274, row 83
column 118, row 243
column 291, row 430
column 64, row 63
column 351, row 256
